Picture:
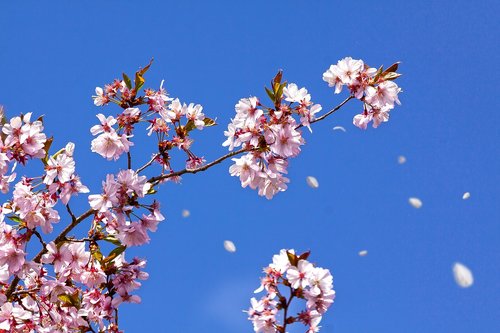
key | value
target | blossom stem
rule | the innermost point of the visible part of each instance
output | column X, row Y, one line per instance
column 129, row 160
column 285, row 310
column 329, row 112
column 147, row 164
column 157, row 179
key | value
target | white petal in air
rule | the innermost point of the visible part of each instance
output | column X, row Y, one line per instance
column 312, row 182
column 229, row 246
column 463, row 275
column 339, row 128
column 363, row 253
column 401, row 159
column 415, row 202
column 466, row 195
column 185, row 213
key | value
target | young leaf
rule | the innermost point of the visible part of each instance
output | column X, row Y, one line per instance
column 270, row 94
column 115, row 253
column 391, row 76
column 294, row 260
column 209, row 122
column 15, row 219
column 112, row 240
column 189, row 126
column 392, row 68
column 304, row 255
column 127, row 81
column 139, row 79
column 46, row 148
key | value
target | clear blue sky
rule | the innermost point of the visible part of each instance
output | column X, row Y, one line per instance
column 53, row 54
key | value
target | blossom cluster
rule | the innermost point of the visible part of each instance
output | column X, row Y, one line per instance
column 304, row 281
column 271, row 135
column 114, row 207
column 166, row 117
column 84, row 288
column 77, row 284
column 375, row 88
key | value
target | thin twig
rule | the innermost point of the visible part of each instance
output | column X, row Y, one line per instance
column 129, row 160
column 147, row 164
column 157, row 179
column 73, row 217
column 329, row 112
column 154, row 180
column 37, row 234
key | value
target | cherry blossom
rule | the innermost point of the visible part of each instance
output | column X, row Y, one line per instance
column 304, row 281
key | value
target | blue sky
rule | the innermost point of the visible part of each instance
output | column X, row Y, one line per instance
column 53, row 55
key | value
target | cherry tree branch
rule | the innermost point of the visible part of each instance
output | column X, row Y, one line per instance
column 154, row 180
column 329, row 112
column 157, row 179
column 148, row 163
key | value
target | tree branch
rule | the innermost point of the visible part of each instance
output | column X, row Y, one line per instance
column 147, row 164
column 154, row 180
column 157, row 179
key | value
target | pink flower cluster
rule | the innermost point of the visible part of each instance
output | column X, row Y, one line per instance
column 375, row 88
column 164, row 116
column 115, row 206
column 21, row 139
column 84, row 292
column 77, row 284
column 304, row 281
column 270, row 134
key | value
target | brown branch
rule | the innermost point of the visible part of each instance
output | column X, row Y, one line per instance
column 147, row 164
column 329, row 112
column 154, row 180
column 157, row 179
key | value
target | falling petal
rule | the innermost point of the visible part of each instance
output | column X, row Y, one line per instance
column 463, row 275
column 363, row 253
column 229, row 246
column 415, row 202
column 339, row 128
column 466, row 195
column 312, row 182
column 185, row 213
column 401, row 159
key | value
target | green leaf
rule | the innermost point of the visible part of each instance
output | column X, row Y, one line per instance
column 378, row 73
column 16, row 219
column 97, row 255
column 209, row 122
column 279, row 93
column 115, row 253
column 70, row 299
column 270, row 94
column 189, row 126
column 112, row 240
column 127, row 81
